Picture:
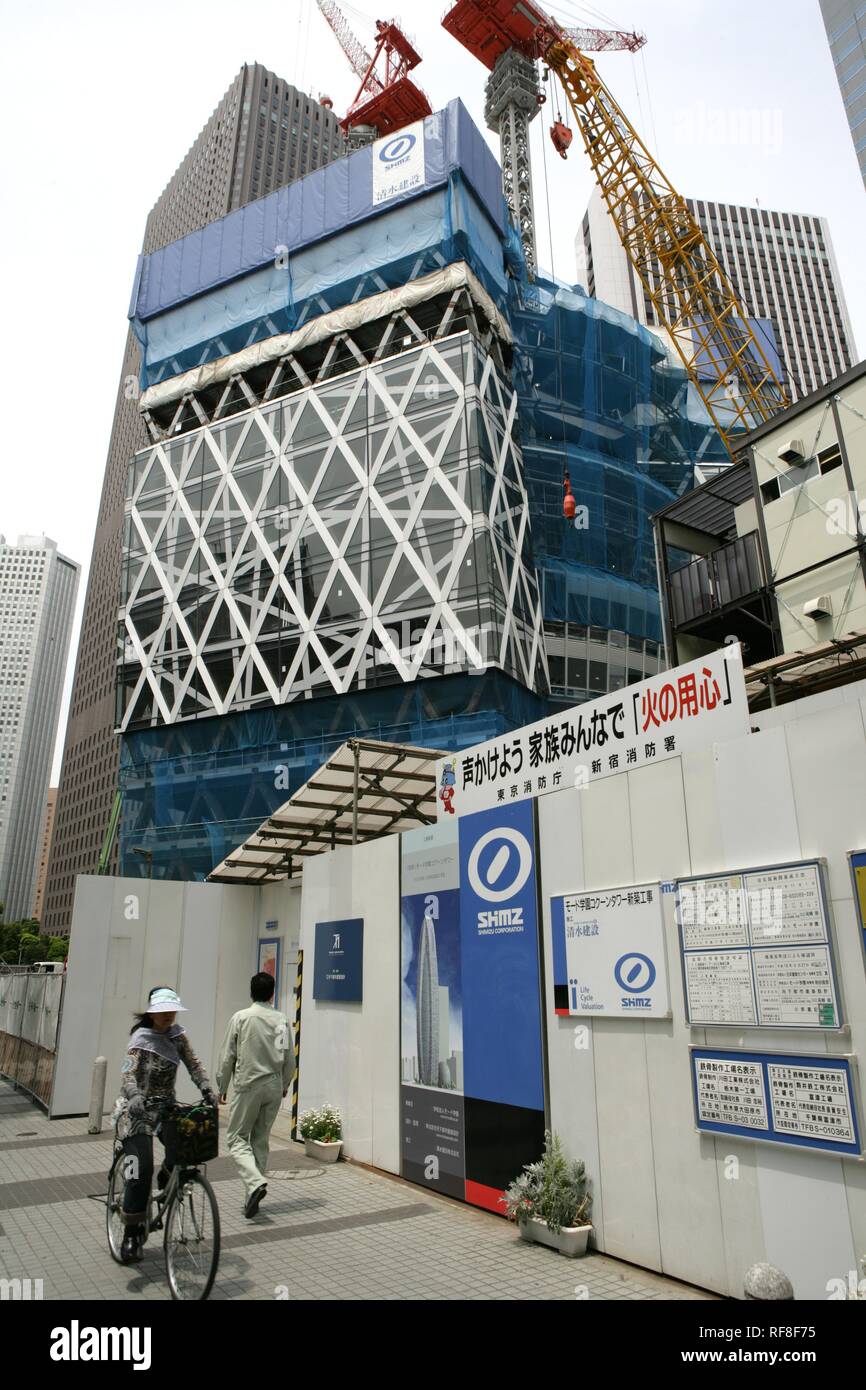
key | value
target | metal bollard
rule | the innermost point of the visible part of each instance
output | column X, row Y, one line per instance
column 97, row 1096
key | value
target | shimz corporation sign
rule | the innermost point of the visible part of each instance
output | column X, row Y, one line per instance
column 695, row 705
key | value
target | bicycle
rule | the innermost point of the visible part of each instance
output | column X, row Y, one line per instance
column 186, row 1209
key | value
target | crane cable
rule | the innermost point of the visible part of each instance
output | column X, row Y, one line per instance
column 649, row 97
column 549, row 81
column 569, row 506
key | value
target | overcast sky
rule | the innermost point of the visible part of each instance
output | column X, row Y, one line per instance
column 100, row 100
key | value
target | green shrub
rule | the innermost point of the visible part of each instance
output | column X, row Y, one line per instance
column 553, row 1190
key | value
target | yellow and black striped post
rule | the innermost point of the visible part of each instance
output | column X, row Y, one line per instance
column 299, row 979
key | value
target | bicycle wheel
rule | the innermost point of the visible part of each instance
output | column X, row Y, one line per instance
column 192, row 1238
column 114, row 1207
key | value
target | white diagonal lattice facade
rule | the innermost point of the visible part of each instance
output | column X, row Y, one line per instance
column 364, row 532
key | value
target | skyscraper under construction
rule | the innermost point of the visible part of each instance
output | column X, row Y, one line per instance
column 263, row 134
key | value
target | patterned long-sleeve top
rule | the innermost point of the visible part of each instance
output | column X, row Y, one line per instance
column 148, row 1078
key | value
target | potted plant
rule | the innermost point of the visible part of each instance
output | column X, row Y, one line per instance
column 550, row 1201
column 322, row 1133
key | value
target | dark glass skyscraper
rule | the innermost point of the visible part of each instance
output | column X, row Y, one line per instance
column 263, row 134
column 845, row 22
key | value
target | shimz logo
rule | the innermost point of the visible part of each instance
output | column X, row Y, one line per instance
column 77, row 1343
column 397, row 149
column 635, row 974
column 505, row 917
column 487, row 879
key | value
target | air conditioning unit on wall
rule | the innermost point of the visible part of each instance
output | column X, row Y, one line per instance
column 819, row 607
column 793, row 452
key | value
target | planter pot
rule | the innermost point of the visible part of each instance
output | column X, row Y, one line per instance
column 325, row 1153
column 571, row 1240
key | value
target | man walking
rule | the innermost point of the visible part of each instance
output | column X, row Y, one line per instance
column 257, row 1054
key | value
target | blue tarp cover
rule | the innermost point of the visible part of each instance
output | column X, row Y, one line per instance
column 406, row 242
column 308, row 210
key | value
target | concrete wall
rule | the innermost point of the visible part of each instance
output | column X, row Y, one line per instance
column 350, row 1053
column 664, row 1194
column 129, row 935
column 280, row 903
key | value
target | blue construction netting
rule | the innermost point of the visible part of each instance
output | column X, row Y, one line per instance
column 601, row 399
column 411, row 240
column 192, row 792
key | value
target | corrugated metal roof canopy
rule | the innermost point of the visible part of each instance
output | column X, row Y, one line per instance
column 710, row 507
column 364, row 790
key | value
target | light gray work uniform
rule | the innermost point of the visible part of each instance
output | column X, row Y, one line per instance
column 258, row 1056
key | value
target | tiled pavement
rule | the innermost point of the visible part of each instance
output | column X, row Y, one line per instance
column 339, row 1232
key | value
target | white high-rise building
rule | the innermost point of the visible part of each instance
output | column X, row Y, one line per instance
column 38, row 587
column 781, row 264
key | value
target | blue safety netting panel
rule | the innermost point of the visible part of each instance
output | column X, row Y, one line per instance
column 410, row 240
column 600, row 398
column 327, row 201
column 193, row 791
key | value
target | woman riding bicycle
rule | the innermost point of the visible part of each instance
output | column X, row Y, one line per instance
column 156, row 1046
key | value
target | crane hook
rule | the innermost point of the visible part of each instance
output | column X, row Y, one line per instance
column 569, row 506
column 561, row 137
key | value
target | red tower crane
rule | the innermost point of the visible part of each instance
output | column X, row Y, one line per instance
column 488, row 28
column 387, row 98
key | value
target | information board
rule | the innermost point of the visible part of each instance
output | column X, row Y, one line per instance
column 809, row 1102
column 609, row 953
column 756, row 949
column 338, row 964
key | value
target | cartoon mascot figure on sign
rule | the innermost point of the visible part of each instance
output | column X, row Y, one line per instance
column 448, row 787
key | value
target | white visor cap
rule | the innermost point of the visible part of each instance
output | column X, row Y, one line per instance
column 164, row 1001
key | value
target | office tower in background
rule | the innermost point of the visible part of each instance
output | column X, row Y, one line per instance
column 781, row 264
column 44, row 853
column 263, row 134
column 38, row 588
column 845, row 22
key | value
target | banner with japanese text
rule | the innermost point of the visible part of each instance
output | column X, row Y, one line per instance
column 692, row 706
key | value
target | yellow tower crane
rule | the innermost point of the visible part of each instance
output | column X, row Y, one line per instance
column 688, row 287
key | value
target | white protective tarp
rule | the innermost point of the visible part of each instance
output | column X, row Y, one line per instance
column 345, row 320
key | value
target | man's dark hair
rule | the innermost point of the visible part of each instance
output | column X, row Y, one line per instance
column 262, row 987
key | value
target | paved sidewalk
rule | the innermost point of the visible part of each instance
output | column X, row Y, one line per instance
column 339, row 1232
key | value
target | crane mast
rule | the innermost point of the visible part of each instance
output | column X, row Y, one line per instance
column 512, row 99
column 690, row 290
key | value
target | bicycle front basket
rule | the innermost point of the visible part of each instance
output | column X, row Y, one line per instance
column 192, row 1132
